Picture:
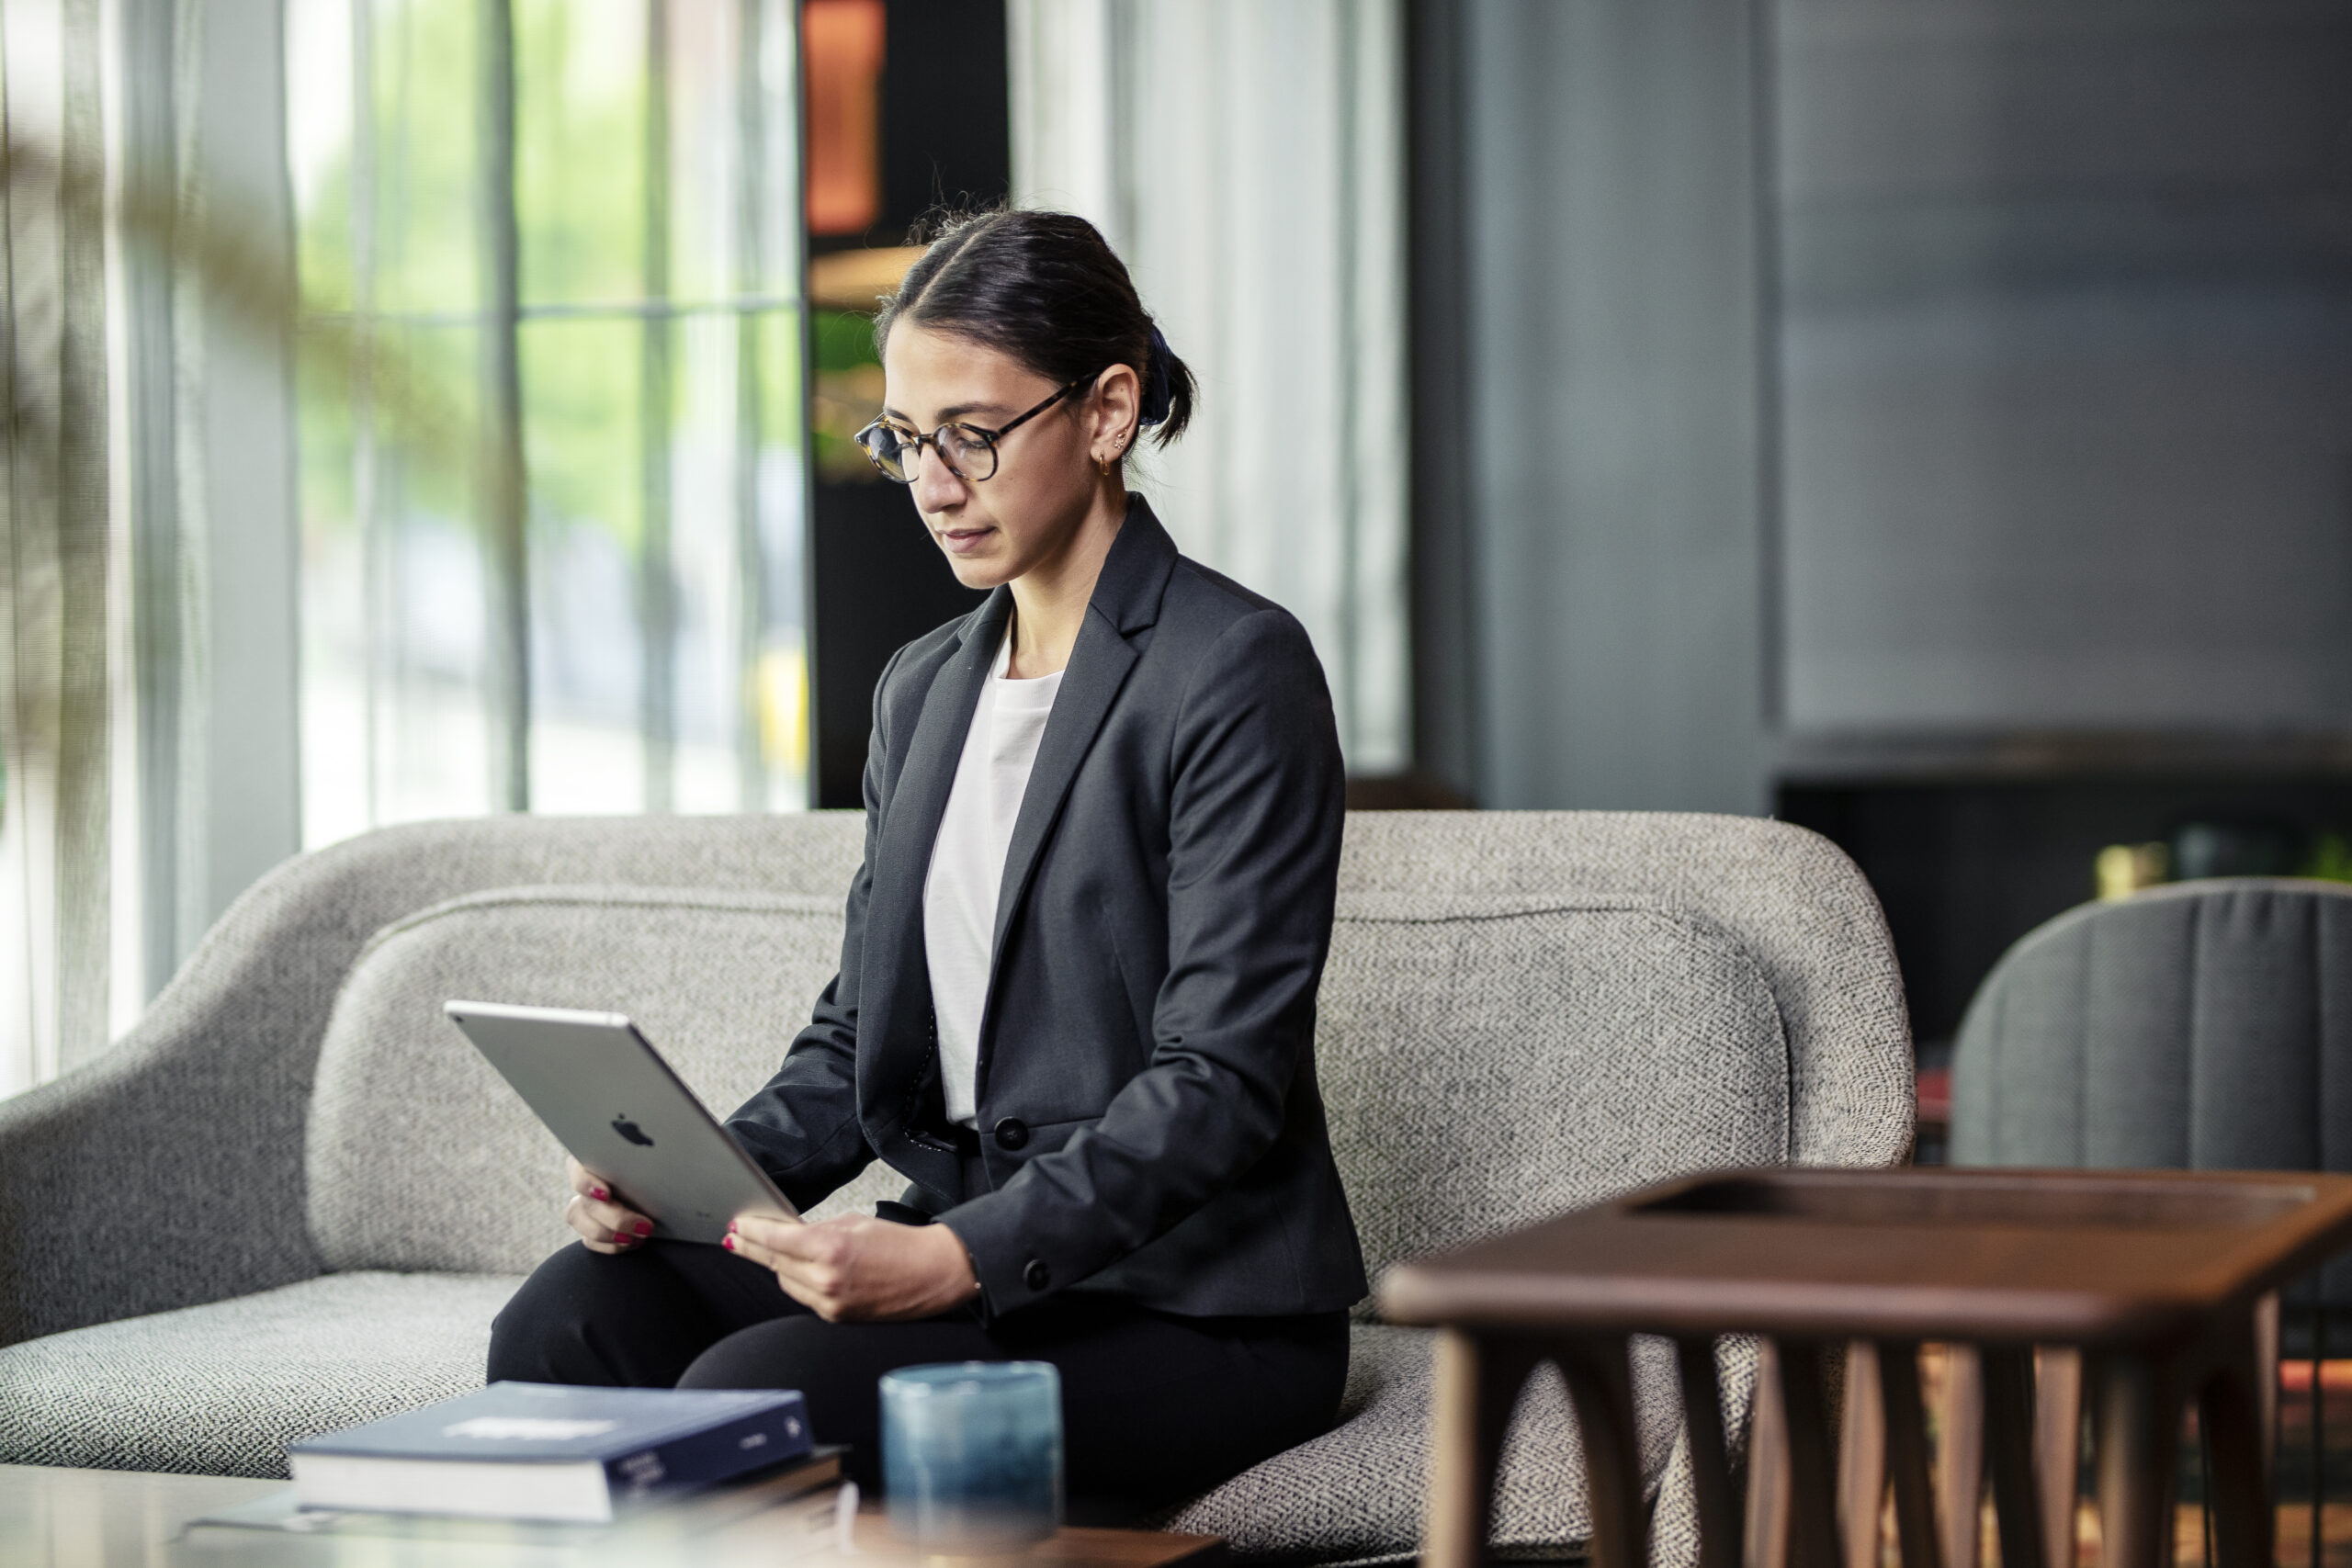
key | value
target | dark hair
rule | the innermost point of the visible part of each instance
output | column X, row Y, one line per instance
column 1047, row 289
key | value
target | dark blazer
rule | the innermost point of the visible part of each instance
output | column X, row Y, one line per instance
column 1149, row 1117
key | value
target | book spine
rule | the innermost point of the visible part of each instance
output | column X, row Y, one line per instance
column 769, row 1436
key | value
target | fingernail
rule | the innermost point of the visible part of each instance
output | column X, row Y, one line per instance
column 731, row 1226
column 599, row 1194
column 645, row 1228
column 727, row 1242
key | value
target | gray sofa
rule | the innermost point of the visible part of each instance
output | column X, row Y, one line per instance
column 293, row 1197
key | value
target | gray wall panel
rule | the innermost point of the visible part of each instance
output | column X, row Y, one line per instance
column 2067, row 354
column 1612, row 275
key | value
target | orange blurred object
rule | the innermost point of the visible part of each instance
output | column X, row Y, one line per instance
column 843, row 45
column 2295, row 1377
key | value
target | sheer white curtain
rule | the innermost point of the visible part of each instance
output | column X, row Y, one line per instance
column 1246, row 158
column 56, row 579
column 146, row 606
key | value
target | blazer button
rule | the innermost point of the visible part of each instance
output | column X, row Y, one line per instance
column 1012, row 1133
column 1037, row 1276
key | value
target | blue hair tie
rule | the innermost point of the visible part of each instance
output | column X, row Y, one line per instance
column 1156, row 397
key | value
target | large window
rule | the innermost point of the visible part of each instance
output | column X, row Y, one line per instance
column 552, row 516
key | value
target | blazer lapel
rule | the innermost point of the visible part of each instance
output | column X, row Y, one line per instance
column 897, row 1022
column 1126, row 600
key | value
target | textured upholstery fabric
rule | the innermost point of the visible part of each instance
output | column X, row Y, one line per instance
column 718, row 981
column 2206, row 1024
column 1523, row 1012
column 1490, row 1061
column 1790, row 898
column 1355, row 1494
column 1487, row 1063
column 221, row 1390
column 207, row 1096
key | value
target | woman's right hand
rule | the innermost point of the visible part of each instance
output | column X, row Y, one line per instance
column 604, row 1224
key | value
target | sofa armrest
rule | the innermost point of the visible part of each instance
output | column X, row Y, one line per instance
column 168, row 1172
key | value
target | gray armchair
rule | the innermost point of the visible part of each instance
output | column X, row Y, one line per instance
column 2205, row 1024
column 294, row 1199
column 2202, row 1025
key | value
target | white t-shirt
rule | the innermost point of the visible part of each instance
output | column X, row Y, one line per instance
column 968, row 866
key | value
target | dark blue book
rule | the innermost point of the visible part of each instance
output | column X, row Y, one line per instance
column 528, row 1451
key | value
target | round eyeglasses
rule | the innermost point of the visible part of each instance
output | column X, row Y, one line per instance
column 968, row 451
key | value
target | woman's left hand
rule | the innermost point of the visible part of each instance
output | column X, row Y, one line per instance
column 855, row 1270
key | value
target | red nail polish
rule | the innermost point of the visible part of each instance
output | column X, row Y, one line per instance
column 645, row 1228
column 727, row 1242
column 598, row 1193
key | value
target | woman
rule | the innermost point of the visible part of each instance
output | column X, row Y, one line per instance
column 1076, row 1004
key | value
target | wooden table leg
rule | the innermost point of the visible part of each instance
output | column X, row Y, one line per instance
column 2230, row 1414
column 2139, row 1428
column 1861, row 1457
column 2058, row 1447
column 2266, row 1353
column 1907, row 1454
column 1600, row 1375
column 1767, row 1534
column 2008, row 1447
column 1703, row 1418
column 1959, row 1457
column 1477, row 1383
column 1812, row 1465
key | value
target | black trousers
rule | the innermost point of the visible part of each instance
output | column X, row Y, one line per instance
column 1155, row 1407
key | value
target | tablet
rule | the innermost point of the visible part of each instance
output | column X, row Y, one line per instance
column 609, row 1098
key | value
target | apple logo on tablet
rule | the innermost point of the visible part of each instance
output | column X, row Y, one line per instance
column 631, row 1131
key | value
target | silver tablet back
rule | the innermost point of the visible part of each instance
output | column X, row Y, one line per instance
column 610, row 1099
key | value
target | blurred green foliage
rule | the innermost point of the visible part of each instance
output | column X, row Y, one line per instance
column 2331, row 858
column 842, row 340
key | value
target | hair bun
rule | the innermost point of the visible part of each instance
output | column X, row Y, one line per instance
column 1044, row 289
column 1157, row 392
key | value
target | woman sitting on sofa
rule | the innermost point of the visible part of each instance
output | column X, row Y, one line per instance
column 1076, row 1004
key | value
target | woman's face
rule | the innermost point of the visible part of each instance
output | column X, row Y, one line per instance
column 1026, row 513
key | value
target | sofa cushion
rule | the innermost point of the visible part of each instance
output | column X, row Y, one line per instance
column 220, row 1390
column 420, row 1154
column 1357, row 1492
column 1488, row 1062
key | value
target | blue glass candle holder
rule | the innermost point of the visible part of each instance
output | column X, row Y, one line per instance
column 972, row 1454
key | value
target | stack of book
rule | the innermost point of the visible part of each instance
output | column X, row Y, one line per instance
column 535, row 1464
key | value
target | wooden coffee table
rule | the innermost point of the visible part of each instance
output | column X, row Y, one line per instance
column 2155, row 1276
column 110, row 1518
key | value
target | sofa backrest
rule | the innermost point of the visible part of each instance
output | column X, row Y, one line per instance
column 1490, row 1061
column 421, row 1156
column 1523, row 1012
column 1529, row 1012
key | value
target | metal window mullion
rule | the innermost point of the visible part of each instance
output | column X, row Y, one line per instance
column 394, row 176
column 586, row 310
column 751, row 562
column 1347, row 415
column 365, row 509
column 150, row 125
column 504, row 498
column 657, row 584
column 794, row 228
